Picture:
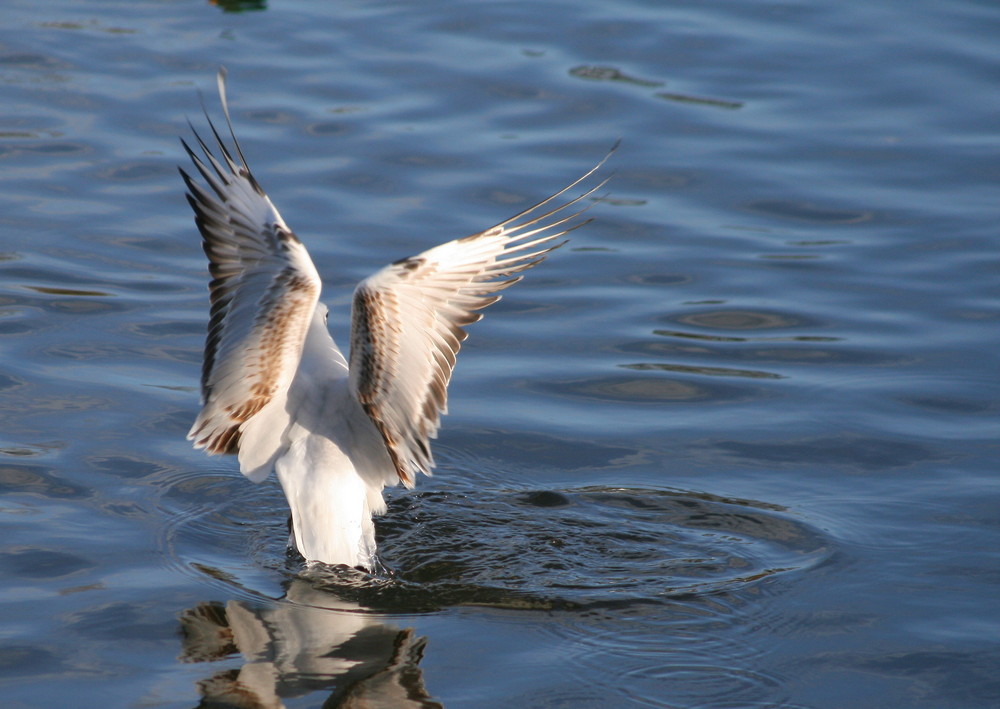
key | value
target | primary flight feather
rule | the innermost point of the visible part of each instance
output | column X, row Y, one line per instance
column 277, row 391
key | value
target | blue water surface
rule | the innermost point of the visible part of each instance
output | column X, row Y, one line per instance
column 732, row 446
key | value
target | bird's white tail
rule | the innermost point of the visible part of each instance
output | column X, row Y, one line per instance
column 331, row 504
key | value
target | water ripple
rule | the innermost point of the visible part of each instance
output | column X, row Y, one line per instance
column 545, row 549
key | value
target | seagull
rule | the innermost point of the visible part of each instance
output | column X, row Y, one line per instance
column 275, row 389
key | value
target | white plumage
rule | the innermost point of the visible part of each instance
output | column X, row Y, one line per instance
column 276, row 390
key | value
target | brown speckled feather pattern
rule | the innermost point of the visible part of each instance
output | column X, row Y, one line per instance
column 263, row 292
column 408, row 320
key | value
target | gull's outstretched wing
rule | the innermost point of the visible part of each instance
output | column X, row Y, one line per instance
column 263, row 292
column 407, row 320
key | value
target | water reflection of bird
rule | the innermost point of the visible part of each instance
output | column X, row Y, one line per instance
column 278, row 392
column 309, row 642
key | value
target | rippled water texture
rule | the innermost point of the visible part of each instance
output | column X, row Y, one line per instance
column 733, row 446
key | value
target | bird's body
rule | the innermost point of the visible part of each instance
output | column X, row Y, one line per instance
column 277, row 391
column 332, row 462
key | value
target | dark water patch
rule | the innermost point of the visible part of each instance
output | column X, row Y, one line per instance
column 273, row 116
column 391, row 593
column 85, row 307
column 509, row 91
column 517, row 308
column 960, row 404
column 47, row 290
column 38, row 481
column 42, row 404
column 82, row 589
column 157, row 249
column 195, row 486
column 652, row 177
column 129, row 467
column 47, row 273
column 731, row 338
column 622, row 201
column 504, row 198
column 122, row 622
column 170, row 328
column 700, row 100
column 89, row 302
column 86, row 351
column 609, row 73
column 20, row 660
column 126, row 510
column 536, row 450
column 153, row 284
column 10, row 382
column 176, row 422
column 136, row 171
column 955, row 675
column 14, row 328
column 430, row 160
column 823, row 622
column 46, row 149
column 563, row 692
column 740, row 320
column 340, row 110
column 702, row 370
column 851, row 452
column 802, row 350
column 710, row 682
column 812, row 243
column 658, row 279
column 808, row 212
column 647, row 390
column 330, row 128
column 370, row 183
column 856, row 356
column 544, row 498
column 930, row 677
column 29, row 60
column 91, row 25
column 790, row 257
column 33, row 450
column 35, row 563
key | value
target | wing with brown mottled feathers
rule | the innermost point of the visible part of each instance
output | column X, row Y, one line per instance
column 263, row 292
column 407, row 321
